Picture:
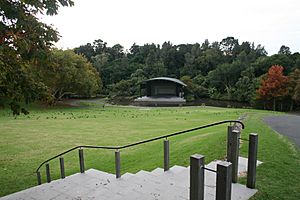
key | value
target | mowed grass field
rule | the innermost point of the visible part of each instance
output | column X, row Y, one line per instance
column 26, row 141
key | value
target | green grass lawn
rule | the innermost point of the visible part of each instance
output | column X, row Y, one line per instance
column 28, row 140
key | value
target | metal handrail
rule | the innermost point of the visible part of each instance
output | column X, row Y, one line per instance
column 140, row 142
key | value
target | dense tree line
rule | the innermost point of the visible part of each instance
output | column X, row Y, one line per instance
column 225, row 70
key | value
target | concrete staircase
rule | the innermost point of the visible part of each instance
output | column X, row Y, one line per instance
column 144, row 185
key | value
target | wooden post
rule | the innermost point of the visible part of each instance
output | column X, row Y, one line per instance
column 235, row 148
column 39, row 179
column 81, row 161
column 229, row 142
column 224, row 173
column 118, row 163
column 62, row 167
column 48, row 175
column 196, row 177
column 166, row 155
column 252, row 160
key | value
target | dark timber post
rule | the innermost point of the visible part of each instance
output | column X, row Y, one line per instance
column 48, row 173
column 118, row 163
column 235, row 154
column 166, row 155
column 39, row 179
column 224, row 173
column 229, row 142
column 81, row 160
column 196, row 177
column 62, row 167
column 252, row 160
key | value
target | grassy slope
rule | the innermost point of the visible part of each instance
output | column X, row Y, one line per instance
column 279, row 176
column 27, row 141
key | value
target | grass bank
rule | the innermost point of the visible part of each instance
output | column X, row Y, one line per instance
column 28, row 140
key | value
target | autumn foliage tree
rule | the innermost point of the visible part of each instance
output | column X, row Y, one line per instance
column 273, row 85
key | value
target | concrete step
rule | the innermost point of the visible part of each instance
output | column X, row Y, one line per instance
column 156, row 185
column 151, row 187
column 143, row 184
column 126, row 176
column 157, row 171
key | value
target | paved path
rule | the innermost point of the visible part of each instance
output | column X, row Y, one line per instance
column 288, row 125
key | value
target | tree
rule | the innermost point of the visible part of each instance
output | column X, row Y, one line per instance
column 260, row 51
column 86, row 50
column 208, row 60
column 261, row 65
column 205, row 45
column 273, row 85
column 245, row 86
column 294, row 87
column 122, row 88
column 115, row 71
column 224, row 77
column 154, row 67
column 296, row 58
column 139, row 76
column 24, row 40
column 157, row 69
column 100, row 62
column 191, row 67
column 116, row 52
column 168, row 55
column 69, row 73
column 99, row 46
column 296, row 96
column 229, row 46
column 284, row 50
column 193, row 90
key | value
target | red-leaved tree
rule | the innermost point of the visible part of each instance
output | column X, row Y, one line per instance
column 273, row 85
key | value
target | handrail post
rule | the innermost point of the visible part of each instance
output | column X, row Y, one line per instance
column 252, row 160
column 48, row 175
column 223, row 188
column 166, row 154
column 229, row 142
column 62, row 167
column 81, row 160
column 235, row 154
column 197, row 177
column 39, row 179
column 118, row 163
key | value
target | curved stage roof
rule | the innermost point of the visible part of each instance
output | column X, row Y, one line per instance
column 167, row 79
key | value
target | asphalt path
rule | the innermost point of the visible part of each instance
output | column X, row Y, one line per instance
column 288, row 125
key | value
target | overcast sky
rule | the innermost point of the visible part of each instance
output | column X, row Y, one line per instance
column 271, row 23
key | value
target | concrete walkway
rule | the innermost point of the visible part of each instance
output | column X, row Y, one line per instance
column 288, row 125
column 155, row 185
